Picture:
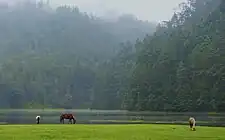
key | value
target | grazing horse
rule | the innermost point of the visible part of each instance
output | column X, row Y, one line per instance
column 67, row 116
column 192, row 123
column 38, row 119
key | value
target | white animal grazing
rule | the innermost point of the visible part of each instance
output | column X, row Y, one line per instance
column 192, row 123
column 38, row 119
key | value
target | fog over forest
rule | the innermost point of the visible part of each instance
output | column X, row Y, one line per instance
column 151, row 10
column 151, row 58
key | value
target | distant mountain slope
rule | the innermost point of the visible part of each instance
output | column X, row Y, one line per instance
column 30, row 29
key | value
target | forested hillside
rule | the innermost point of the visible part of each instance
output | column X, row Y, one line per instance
column 66, row 59
column 182, row 66
column 51, row 57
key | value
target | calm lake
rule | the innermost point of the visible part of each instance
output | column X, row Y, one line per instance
column 51, row 116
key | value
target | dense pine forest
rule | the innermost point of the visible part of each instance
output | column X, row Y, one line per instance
column 63, row 58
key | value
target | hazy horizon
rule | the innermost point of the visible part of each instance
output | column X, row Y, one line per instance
column 151, row 10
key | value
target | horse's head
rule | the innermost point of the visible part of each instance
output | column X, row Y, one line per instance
column 74, row 120
column 61, row 118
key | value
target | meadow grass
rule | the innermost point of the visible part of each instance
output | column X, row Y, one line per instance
column 109, row 132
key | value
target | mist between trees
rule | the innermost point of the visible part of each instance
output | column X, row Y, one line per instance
column 62, row 58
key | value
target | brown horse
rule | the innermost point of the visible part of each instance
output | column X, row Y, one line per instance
column 67, row 116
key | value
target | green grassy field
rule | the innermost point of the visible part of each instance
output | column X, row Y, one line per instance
column 109, row 132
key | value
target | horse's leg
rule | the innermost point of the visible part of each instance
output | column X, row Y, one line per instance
column 37, row 121
column 69, row 121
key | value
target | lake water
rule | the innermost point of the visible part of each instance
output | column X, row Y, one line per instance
column 109, row 117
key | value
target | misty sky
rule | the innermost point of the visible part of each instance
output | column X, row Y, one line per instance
column 152, row 10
